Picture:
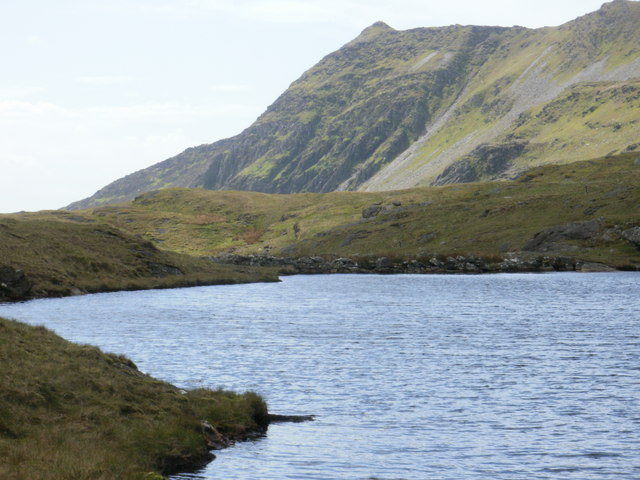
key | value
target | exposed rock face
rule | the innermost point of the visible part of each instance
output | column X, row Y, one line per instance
column 591, row 267
column 372, row 210
column 550, row 239
column 633, row 236
column 162, row 270
column 485, row 162
column 215, row 440
column 14, row 285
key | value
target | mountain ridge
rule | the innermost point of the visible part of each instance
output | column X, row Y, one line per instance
column 395, row 109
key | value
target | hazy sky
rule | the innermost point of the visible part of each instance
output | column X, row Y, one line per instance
column 91, row 90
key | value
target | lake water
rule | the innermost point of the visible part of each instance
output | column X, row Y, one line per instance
column 515, row 376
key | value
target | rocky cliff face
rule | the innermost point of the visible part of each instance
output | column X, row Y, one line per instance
column 396, row 109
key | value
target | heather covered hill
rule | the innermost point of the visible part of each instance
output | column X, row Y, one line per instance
column 398, row 109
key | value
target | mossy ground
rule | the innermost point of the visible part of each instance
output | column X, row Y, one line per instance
column 74, row 412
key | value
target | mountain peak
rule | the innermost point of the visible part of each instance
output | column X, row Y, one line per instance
column 619, row 5
column 376, row 28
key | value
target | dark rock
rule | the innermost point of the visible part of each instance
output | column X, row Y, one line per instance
column 632, row 235
column 427, row 237
column 291, row 418
column 215, row 440
column 484, row 162
column 372, row 210
column 344, row 264
column 511, row 262
column 161, row 270
column 594, row 267
column 383, row 262
column 546, row 240
column 352, row 236
column 14, row 284
column 591, row 210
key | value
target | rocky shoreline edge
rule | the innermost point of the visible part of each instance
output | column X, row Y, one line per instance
column 521, row 262
column 217, row 441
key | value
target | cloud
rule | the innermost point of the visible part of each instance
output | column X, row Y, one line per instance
column 403, row 14
column 53, row 154
column 11, row 109
column 19, row 93
column 103, row 80
column 286, row 11
column 34, row 40
column 229, row 88
column 161, row 112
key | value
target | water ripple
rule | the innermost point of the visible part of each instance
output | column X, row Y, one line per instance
column 505, row 377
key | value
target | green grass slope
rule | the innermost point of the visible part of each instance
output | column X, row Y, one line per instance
column 488, row 218
column 73, row 412
column 60, row 254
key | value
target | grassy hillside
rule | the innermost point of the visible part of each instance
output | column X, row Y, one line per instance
column 489, row 219
column 398, row 109
column 60, row 253
column 73, row 412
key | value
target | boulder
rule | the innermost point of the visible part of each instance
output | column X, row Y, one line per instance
column 215, row 440
column 632, row 235
column 589, row 267
column 546, row 240
column 14, row 284
column 372, row 210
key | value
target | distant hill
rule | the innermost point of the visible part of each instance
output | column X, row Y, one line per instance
column 429, row 106
column 585, row 210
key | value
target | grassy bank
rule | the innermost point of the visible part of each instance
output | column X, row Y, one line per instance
column 73, row 412
column 487, row 219
column 62, row 254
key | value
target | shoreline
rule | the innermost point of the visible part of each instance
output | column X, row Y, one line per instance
column 16, row 286
column 426, row 264
column 110, row 419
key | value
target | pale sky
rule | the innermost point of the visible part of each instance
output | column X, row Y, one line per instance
column 92, row 90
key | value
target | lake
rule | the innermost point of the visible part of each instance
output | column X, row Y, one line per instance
column 509, row 376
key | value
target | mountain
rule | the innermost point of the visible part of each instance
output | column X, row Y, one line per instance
column 429, row 106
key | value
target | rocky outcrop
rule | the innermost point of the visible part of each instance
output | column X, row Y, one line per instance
column 592, row 267
column 215, row 440
column 14, row 284
column 376, row 209
column 551, row 239
column 486, row 162
column 632, row 235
